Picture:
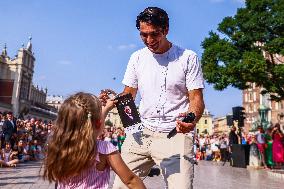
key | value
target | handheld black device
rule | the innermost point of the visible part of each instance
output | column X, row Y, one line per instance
column 187, row 119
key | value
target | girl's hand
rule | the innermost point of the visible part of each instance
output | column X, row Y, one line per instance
column 109, row 105
column 106, row 95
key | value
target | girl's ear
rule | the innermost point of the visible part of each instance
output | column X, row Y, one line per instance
column 98, row 123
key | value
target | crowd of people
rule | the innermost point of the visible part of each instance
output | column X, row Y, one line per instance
column 25, row 140
column 212, row 147
column 22, row 140
column 113, row 134
column 266, row 146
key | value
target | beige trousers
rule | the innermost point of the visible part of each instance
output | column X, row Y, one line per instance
column 174, row 156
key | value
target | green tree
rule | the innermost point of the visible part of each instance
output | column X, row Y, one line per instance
column 248, row 48
column 109, row 123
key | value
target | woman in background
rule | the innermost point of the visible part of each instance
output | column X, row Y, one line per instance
column 268, row 149
column 277, row 146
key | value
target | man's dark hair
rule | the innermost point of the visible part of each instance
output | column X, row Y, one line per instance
column 155, row 16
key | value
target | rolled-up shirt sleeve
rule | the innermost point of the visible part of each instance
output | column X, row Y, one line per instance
column 194, row 75
column 130, row 76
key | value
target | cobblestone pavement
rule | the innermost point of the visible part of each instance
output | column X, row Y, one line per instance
column 208, row 175
column 24, row 176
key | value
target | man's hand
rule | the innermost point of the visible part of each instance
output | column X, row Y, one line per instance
column 183, row 127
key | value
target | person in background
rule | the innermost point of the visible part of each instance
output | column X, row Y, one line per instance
column 260, row 140
column 2, row 138
column 121, row 138
column 8, row 156
column 277, row 146
column 22, row 152
column 10, row 129
column 37, row 150
column 268, row 148
column 254, row 154
column 114, row 138
column 208, row 154
column 33, row 128
column 233, row 139
column 198, row 154
column 224, row 149
column 202, row 146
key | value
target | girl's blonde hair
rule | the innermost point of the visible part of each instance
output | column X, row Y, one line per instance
column 72, row 148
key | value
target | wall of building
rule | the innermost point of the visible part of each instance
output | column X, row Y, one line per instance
column 18, row 92
column 6, row 91
column 113, row 116
column 220, row 126
column 253, row 100
column 205, row 124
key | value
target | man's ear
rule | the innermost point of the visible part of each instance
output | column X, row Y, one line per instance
column 166, row 31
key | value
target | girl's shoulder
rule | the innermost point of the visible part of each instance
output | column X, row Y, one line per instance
column 105, row 147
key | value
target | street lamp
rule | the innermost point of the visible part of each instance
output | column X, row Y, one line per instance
column 263, row 113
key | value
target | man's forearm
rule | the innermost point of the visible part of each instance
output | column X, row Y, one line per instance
column 196, row 103
column 197, row 109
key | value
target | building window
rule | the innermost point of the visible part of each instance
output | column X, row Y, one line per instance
column 205, row 131
column 254, row 96
column 250, row 108
column 246, row 97
column 276, row 104
column 205, row 121
column 250, row 96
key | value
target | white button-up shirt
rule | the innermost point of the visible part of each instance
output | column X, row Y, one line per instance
column 163, row 81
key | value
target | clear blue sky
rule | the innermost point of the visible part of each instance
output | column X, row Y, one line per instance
column 83, row 45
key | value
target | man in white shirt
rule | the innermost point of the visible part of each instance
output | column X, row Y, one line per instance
column 170, row 82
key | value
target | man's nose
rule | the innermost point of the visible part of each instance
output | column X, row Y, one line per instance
column 149, row 39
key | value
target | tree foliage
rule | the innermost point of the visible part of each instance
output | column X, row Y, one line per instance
column 248, row 48
column 109, row 123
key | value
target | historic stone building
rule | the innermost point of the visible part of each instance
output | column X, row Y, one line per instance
column 54, row 101
column 255, row 103
column 114, row 118
column 220, row 125
column 205, row 124
column 17, row 92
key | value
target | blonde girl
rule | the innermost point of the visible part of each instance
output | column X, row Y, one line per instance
column 75, row 158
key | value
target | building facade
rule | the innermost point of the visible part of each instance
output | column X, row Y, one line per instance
column 55, row 101
column 114, row 118
column 205, row 124
column 255, row 103
column 17, row 92
column 220, row 126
